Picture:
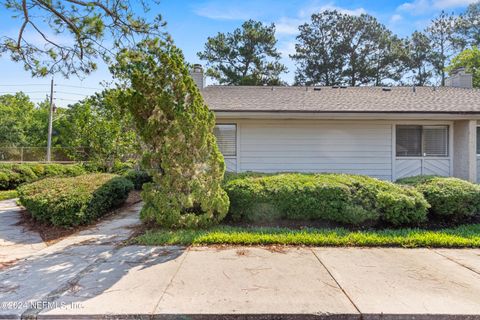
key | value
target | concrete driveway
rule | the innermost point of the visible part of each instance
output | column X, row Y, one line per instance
column 91, row 275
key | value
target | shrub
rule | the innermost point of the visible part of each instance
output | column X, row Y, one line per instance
column 13, row 175
column 451, row 198
column 341, row 198
column 72, row 201
column 138, row 178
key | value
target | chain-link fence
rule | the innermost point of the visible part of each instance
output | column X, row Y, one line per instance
column 39, row 154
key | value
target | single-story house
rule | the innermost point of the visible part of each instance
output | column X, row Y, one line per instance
column 388, row 133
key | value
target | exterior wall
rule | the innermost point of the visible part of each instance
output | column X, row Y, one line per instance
column 465, row 158
column 343, row 146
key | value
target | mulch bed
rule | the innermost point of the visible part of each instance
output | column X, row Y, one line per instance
column 52, row 234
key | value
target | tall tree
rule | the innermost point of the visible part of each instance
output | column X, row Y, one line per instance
column 361, row 37
column 339, row 48
column 176, row 127
column 70, row 35
column 418, row 60
column 247, row 56
column 470, row 60
column 441, row 34
column 15, row 114
column 317, row 51
column 468, row 27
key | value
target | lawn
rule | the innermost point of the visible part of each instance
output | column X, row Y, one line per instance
column 466, row 236
column 8, row 194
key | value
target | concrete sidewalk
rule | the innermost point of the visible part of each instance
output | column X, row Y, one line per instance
column 91, row 281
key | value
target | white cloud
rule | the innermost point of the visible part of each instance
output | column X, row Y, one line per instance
column 289, row 25
column 214, row 11
column 396, row 18
column 287, row 48
column 418, row 7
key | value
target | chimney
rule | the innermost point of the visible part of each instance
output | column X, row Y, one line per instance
column 197, row 75
column 459, row 78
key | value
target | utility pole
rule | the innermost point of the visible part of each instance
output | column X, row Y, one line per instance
column 50, row 125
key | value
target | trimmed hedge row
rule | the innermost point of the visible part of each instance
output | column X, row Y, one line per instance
column 450, row 198
column 13, row 175
column 349, row 199
column 138, row 178
column 72, row 201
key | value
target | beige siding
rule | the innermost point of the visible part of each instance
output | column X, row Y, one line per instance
column 316, row 146
column 231, row 164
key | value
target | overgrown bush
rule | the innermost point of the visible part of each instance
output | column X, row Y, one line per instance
column 138, row 178
column 343, row 198
column 72, row 201
column 450, row 198
column 176, row 128
column 13, row 175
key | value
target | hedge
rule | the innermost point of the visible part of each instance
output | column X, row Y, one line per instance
column 450, row 198
column 13, row 175
column 138, row 178
column 72, row 201
column 349, row 199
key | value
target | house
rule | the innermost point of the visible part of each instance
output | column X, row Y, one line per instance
column 387, row 133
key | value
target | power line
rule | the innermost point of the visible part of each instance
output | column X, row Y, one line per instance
column 81, row 87
column 11, row 92
column 74, row 93
column 23, row 85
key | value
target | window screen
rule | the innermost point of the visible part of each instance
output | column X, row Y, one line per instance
column 478, row 140
column 226, row 138
column 409, row 141
column 435, row 141
column 426, row 141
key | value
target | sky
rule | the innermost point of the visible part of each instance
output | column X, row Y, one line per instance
column 191, row 22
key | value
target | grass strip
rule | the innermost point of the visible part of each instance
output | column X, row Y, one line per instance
column 8, row 194
column 466, row 236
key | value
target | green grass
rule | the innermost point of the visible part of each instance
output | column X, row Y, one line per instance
column 467, row 236
column 8, row 194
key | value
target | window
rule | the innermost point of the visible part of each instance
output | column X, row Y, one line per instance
column 418, row 141
column 226, row 139
column 478, row 140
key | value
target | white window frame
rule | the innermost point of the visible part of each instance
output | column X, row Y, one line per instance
column 236, row 157
column 423, row 156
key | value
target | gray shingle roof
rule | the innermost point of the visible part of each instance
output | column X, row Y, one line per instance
column 351, row 99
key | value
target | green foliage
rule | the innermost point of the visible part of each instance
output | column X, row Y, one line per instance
column 467, row 236
column 176, row 128
column 84, row 27
column 13, row 175
column 340, row 198
column 245, row 57
column 99, row 126
column 138, row 178
column 336, row 48
column 8, row 194
column 74, row 201
column 450, row 198
column 470, row 60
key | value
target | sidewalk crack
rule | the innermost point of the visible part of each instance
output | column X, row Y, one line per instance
column 338, row 284
column 455, row 261
column 170, row 283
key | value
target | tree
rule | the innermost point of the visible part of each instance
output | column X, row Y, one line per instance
column 317, row 51
column 470, row 60
column 418, row 58
column 98, row 127
column 73, row 34
column 245, row 57
column 338, row 48
column 176, row 127
column 441, row 34
column 468, row 27
column 16, row 113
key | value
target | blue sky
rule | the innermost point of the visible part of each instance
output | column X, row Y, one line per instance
column 190, row 22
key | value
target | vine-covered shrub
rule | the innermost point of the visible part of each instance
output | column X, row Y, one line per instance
column 343, row 198
column 13, row 175
column 73, row 201
column 450, row 198
column 176, row 128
